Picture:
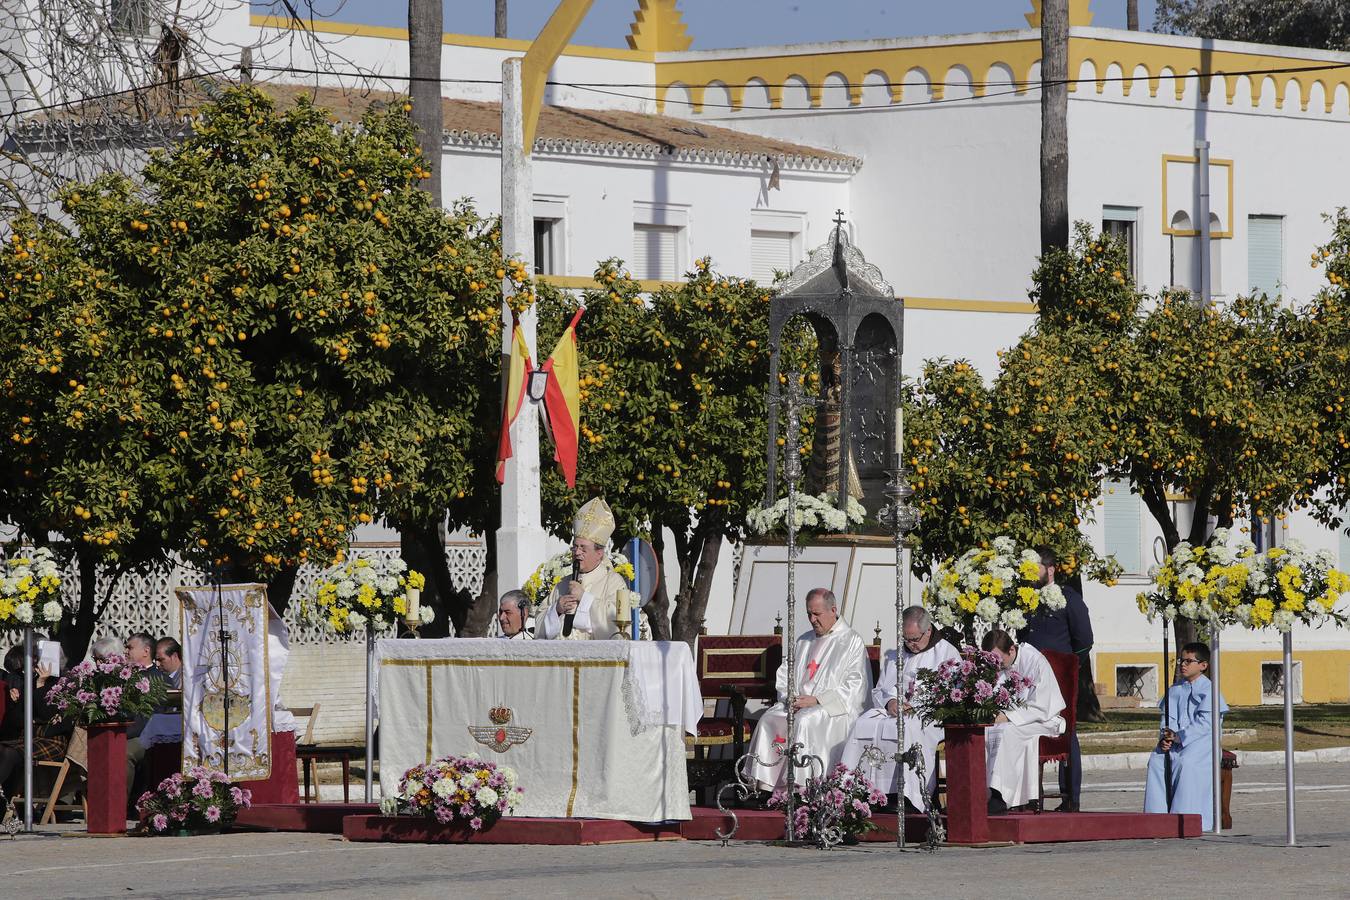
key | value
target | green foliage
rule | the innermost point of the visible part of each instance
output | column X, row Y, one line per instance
column 280, row 338
column 1288, row 23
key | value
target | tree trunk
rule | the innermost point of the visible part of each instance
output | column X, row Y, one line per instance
column 425, row 25
column 280, row 587
column 76, row 636
column 1054, row 125
column 421, row 548
column 692, row 603
column 658, row 611
column 499, row 20
column 1132, row 15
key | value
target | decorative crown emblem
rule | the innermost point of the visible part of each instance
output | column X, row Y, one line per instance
column 499, row 715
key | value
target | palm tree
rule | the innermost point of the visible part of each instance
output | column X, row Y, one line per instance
column 1054, row 124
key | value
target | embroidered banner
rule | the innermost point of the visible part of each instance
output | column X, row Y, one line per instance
column 227, row 680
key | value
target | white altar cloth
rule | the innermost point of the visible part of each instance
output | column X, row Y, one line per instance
column 592, row 728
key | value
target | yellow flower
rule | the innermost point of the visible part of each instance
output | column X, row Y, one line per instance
column 1029, row 570
column 1030, row 597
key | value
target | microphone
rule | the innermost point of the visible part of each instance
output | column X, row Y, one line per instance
column 569, row 618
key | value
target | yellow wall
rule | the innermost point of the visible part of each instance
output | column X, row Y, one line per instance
column 1326, row 673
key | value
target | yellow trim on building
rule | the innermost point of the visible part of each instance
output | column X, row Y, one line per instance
column 351, row 29
column 586, row 282
column 1325, row 675
column 1166, row 210
column 1022, row 307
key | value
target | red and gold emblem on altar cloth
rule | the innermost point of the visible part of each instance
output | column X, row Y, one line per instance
column 501, row 735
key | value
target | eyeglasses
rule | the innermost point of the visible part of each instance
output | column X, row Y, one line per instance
column 1187, row 661
column 917, row 640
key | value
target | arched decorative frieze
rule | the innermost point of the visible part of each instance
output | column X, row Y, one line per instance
column 756, row 95
column 796, row 93
column 837, row 93
column 877, row 89
column 1087, row 71
column 919, row 86
column 999, row 79
column 1112, row 81
column 717, row 98
column 958, row 84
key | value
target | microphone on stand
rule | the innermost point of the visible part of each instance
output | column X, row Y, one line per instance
column 569, row 618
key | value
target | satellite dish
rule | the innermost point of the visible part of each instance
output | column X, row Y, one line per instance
column 645, row 566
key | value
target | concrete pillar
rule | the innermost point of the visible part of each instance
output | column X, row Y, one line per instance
column 521, row 538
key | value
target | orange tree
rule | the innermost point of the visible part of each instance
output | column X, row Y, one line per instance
column 238, row 362
column 673, row 412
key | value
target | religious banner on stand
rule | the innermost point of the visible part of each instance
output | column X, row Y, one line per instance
column 227, row 689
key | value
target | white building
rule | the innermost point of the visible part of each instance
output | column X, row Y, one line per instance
column 930, row 147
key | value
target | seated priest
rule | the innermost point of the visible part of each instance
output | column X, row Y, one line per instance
column 921, row 648
column 596, row 605
column 832, row 681
column 512, row 613
column 1013, row 742
column 1186, row 736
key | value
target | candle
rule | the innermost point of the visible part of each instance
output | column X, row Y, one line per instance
column 899, row 430
column 414, row 603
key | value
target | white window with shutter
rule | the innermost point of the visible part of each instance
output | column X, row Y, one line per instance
column 775, row 243
column 660, row 241
column 1265, row 254
column 1122, row 223
column 1122, row 520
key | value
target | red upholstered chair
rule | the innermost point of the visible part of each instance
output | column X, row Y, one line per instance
column 738, row 667
column 874, row 662
column 1056, row 749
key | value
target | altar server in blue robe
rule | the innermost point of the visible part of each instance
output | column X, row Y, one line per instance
column 1188, row 740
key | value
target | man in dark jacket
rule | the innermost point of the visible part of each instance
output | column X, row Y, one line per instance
column 1066, row 630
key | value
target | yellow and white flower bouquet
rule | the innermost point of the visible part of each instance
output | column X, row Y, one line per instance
column 30, row 591
column 995, row 586
column 365, row 593
column 539, row 586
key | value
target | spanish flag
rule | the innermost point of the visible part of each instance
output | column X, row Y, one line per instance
column 562, row 400
column 514, row 395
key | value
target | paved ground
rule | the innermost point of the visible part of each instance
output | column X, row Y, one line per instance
column 1252, row 861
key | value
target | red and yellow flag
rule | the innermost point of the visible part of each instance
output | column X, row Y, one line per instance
column 514, row 395
column 562, row 400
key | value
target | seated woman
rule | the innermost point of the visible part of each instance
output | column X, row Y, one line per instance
column 1187, row 739
column 49, row 739
column 1012, row 743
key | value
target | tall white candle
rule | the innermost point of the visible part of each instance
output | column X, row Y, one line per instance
column 414, row 604
column 899, row 430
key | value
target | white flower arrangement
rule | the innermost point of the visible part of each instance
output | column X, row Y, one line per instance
column 364, row 593
column 30, row 591
column 997, row 586
column 812, row 514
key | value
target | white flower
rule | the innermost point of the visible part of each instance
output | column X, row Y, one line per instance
column 1052, row 596
column 1188, row 609
column 388, row 806
column 397, row 565
column 51, row 611
column 386, row 584
column 24, row 613
column 945, row 616
column 364, row 575
column 380, row 622
column 988, row 610
column 1004, row 544
column 468, row 781
column 345, row 588
column 426, row 614
column 1283, row 620
column 356, row 620
column 413, row 786
column 443, row 787
column 486, row 796
column 1013, row 621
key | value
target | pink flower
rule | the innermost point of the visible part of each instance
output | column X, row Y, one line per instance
column 476, row 823
column 967, row 667
column 236, row 795
column 160, row 822
column 127, row 673
column 1002, row 697
column 202, row 789
column 248, row 796
column 443, row 815
column 213, row 813
column 143, row 685
column 958, row 695
column 983, row 691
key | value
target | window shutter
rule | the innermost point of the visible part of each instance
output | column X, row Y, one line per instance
column 769, row 250
column 1121, row 521
column 654, row 252
column 1265, row 254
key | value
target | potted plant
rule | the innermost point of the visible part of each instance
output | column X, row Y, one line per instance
column 841, row 803
column 200, row 802
column 105, row 697
column 466, row 793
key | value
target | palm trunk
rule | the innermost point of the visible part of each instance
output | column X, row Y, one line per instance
column 499, row 20
column 1054, row 125
column 425, row 24
column 1132, row 15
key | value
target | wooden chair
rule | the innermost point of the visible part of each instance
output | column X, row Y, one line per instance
column 76, row 758
column 311, row 754
column 1056, row 748
column 738, row 667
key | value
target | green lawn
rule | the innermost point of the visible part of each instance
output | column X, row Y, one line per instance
column 1316, row 725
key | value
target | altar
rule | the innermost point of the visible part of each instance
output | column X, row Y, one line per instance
column 592, row 728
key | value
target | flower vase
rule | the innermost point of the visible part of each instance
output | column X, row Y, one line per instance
column 967, row 785
column 107, row 778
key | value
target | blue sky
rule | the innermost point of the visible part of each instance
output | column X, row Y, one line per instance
column 736, row 23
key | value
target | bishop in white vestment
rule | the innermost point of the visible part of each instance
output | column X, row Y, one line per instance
column 599, row 602
column 922, row 649
column 832, row 680
column 1012, row 743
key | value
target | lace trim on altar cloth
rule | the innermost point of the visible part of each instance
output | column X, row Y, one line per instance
column 635, row 703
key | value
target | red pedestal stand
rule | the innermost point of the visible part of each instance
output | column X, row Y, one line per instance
column 967, row 785
column 284, row 784
column 108, row 778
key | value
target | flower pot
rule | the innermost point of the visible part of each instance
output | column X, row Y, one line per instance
column 967, row 785
column 107, row 778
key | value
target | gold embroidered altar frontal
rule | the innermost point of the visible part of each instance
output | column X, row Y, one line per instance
column 567, row 716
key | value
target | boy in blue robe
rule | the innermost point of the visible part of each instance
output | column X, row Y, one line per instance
column 1188, row 741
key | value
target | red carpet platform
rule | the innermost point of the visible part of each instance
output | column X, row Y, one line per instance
column 315, row 818
column 1050, row 827
column 563, row 832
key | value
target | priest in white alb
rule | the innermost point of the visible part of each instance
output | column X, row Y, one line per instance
column 832, row 681
column 1013, row 742
column 597, row 604
column 922, row 648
